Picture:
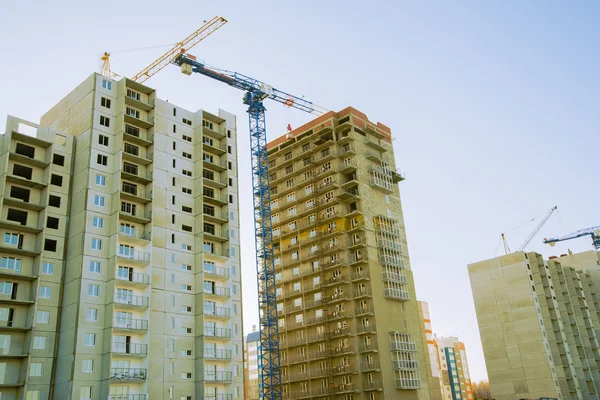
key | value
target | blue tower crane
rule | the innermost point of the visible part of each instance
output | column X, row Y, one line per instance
column 256, row 92
column 594, row 232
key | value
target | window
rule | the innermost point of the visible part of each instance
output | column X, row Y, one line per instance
column 186, row 190
column 40, row 342
column 95, row 267
column 47, row 268
column 98, row 200
column 98, row 222
column 36, row 369
column 45, row 292
column 186, row 155
column 91, row 314
column 186, row 375
column 187, row 138
column 11, row 238
column 87, row 366
column 229, row 149
column 100, row 180
column 132, row 112
column 93, row 290
column 42, row 317
column 56, row 180
column 103, row 140
column 59, row 160
column 89, row 339
column 11, row 264
column 54, row 201
column 132, row 130
column 6, row 287
column 187, row 121
column 96, row 244
column 186, row 209
column 289, row 183
column 104, row 121
column 102, row 159
column 50, row 245
column 186, row 172
column 104, row 102
column 52, row 223
column 108, row 86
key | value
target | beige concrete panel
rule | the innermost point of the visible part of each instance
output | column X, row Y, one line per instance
column 537, row 372
column 501, row 295
column 513, row 258
column 486, row 308
column 486, row 320
column 519, row 301
column 503, row 388
column 524, row 313
column 158, row 322
column 493, row 341
column 519, row 290
column 515, row 362
column 489, row 330
column 505, row 317
column 480, row 277
column 81, row 107
column 478, row 267
column 520, row 386
column 517, row 279
column 161, row 124
column 512, row 351
column 497, row 273
column 542, row 385
column 532, row 359
column 528, row 325
column 483, row 287
column 500, row 376
column 80, row 125
column 495, row 353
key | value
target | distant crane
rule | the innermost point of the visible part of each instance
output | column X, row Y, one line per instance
column 532, row 234
column 193, row 39
column 255, row 92
column 594, row 232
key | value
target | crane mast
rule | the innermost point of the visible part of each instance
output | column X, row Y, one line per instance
column 256, row 92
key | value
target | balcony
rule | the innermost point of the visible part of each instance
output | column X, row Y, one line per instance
column 129, row 235
column 134, row 279
column 127, row 397
column 215, row 216
column 369, row 328
column 362, row 293
column 136, row 155
column 216, row 199
column 142, row 103
column 218, row 166
column 396, row 294
column 215, row 182
column 128, row 374
column 368, row 347
column 23, row 203
column 217, row 235
column 131, row 192
column 409, row 347
column 218, row 397
column 217, row 333
column 134, row 256
column 393, row 277
column 347, row 388
column 130, row 349
column 128, row 325
column 374, row 156
column 217, row 292
column 408, row 383
column 381, row 181
column 132, row 302
column 134, row 173
column 213, row 146
column 392, row 261
column 137, row 216
column 218, row 377
column 133, row 135
column 370, row 366
column 217, row 312
column 361, row 311
column 375, row 144
column 214, row 133
column 211, row 271
column 358, row 276
column 370, row 386
column 217, row 354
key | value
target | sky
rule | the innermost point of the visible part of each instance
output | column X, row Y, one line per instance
column 493, row 106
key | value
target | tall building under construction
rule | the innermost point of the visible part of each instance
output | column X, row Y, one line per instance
column 120, row 261
column 539, row 324
column 348, row 316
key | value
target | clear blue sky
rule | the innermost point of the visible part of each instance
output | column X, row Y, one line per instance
column 494, row 106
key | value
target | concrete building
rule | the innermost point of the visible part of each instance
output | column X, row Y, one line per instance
column 348, row 317
column 252, row 366
column 121, row 261
column 432, row 361
column 539, row 324
column 448, row 369
column 455, row 379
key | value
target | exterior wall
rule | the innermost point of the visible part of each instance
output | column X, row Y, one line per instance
column 32, row 266
column 148, row 299
column 252, row 363
column 454, row 369
column 341, row 260
column 432, row 361
column 533, row 316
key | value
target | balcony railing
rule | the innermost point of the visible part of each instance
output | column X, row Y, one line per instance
column 139, row 301
column 135, row 278
column 134, row 255
column 396, row 294
column 218, row 376
column 133, row 324
column 127, row 397
column 403, row 346
column 218, row 397
column 365, row 328
column 218, row 291
column 130, row 348
column 214, row 270
column 217, row 354
column 408, row 383
column 128, row 374
column 218, row 311
column 218, row 332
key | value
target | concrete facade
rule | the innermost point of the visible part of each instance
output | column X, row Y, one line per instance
column 252, row 366
column 539, row 325
column 348, row 316
column 432, row 361
column 144, row 240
